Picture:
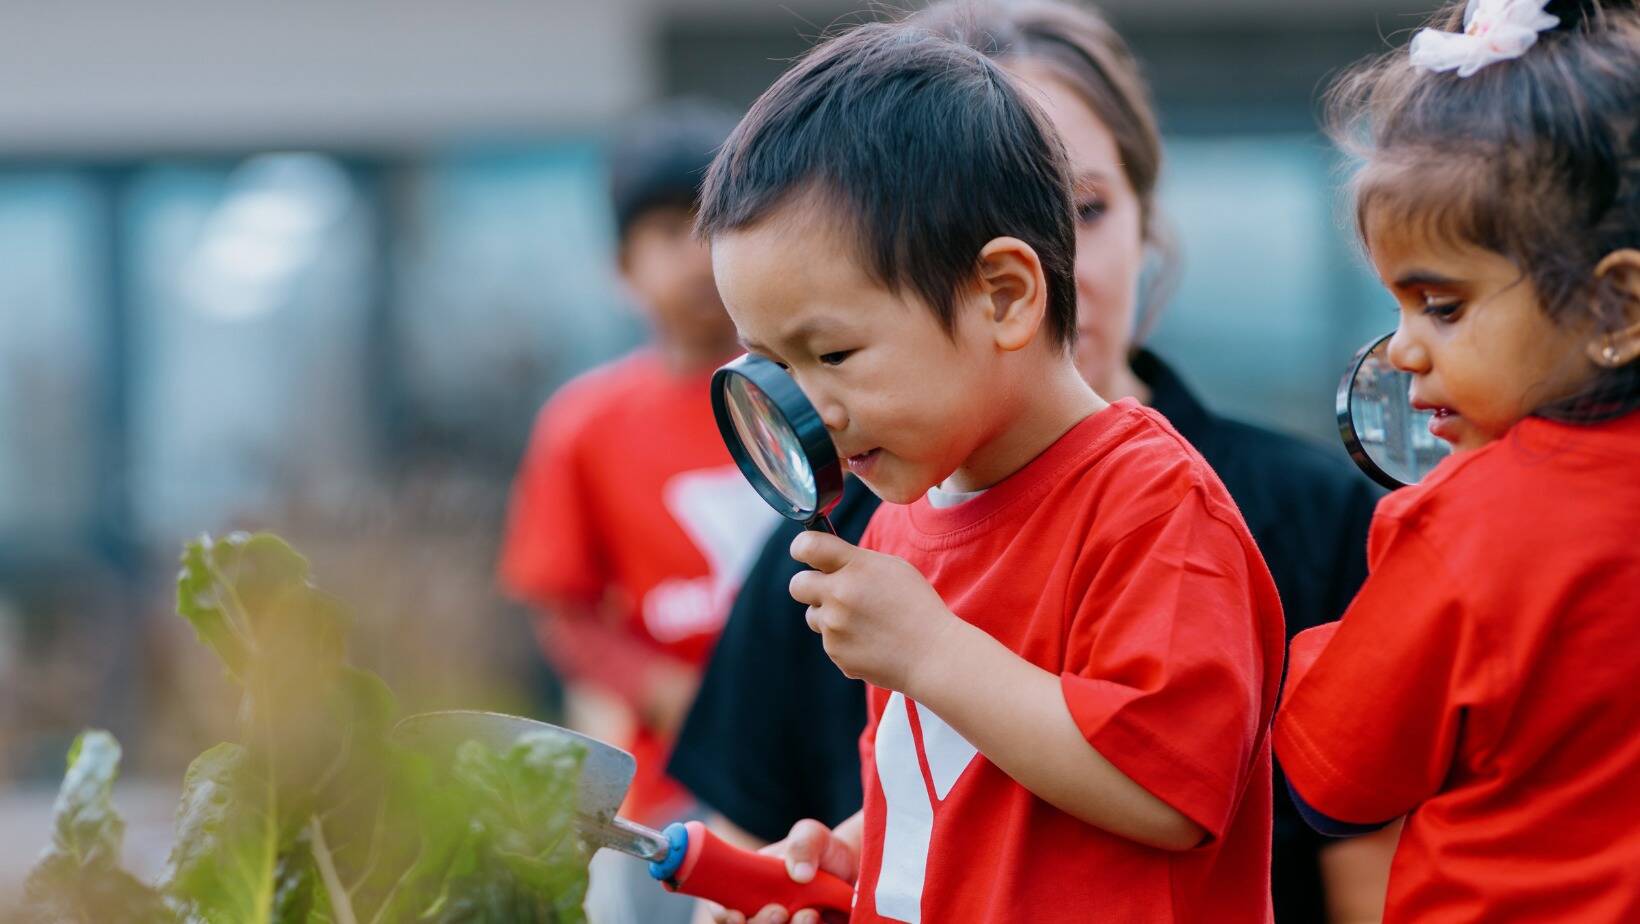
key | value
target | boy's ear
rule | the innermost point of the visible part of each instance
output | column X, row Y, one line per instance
column 1016, row 292
column 1620, row 269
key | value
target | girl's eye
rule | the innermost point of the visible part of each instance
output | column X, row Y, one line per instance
column 1089, row 211
column 1442, row 309
column 834, row 359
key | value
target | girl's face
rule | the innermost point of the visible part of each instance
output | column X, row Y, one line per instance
column 1109, row 239
column 1481, row 352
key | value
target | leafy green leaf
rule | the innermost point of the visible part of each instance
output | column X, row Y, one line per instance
column 315, row 815
column 297, row 896
column 78, row 878
column 249, row 597
column 224, row 867
column 224, row 587
column 524, row 800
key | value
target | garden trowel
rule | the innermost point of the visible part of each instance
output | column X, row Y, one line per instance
column 685, row 858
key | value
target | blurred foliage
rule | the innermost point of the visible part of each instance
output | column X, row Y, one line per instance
column 314, row 812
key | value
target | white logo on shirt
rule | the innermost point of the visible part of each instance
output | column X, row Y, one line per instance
column 729, row 522
column 908, row 803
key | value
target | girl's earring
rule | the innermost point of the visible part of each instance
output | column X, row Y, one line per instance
column 1611, row 355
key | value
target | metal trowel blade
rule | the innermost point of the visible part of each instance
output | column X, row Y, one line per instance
column 605, row 776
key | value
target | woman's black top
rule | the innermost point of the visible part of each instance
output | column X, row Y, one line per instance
column 773, row 736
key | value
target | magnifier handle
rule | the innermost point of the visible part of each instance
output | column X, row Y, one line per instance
column 822, row 524
column 742, row 880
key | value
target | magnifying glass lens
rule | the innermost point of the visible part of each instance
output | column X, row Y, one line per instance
column 772, row 444
column 1388, row 437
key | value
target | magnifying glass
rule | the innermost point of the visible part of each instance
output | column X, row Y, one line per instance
column 778, row 440
column 1387, row 437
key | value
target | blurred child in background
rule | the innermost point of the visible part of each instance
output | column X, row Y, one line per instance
column 630, row 526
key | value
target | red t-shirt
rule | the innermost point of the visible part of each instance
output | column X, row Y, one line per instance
column 1486, row 683
column 628, row 502
column 1117, row 560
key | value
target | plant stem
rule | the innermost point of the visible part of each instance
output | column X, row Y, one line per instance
column 341, row 904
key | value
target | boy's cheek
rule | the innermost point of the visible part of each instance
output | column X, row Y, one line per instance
column 892, row 492
column 893, row 480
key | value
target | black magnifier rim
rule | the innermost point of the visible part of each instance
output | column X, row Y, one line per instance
column 798, row 414
column 1346, row 420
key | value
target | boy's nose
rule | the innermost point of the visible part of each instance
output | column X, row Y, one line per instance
column 832, row 415
column 1406, row 353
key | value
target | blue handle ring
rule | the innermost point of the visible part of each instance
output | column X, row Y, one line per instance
column 677, row 844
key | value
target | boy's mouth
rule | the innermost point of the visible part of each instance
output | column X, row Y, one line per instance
column 860, row 463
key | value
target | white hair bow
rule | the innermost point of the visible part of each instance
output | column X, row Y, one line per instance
column 1493, row 30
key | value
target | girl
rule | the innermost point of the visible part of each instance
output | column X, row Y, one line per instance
column 1482, row 682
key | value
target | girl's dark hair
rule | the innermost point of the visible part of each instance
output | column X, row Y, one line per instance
column 927, row 150
column 1079, row 47
column 1535, row 158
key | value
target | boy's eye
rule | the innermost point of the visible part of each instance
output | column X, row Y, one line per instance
column 1090, row 210
column 833, row 359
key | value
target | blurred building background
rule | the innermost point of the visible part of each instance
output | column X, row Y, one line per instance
column 313, row 266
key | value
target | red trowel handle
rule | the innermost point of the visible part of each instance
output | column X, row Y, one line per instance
column 706, row 866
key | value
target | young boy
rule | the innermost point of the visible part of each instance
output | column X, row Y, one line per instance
column 630, row 527
column 1072, row 642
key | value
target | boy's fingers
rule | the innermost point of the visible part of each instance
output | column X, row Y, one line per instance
column 771, row 914
column 822, row 551
column 805, row 587
column 804, row 847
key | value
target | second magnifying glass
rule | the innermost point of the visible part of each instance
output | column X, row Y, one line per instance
column 777, row 438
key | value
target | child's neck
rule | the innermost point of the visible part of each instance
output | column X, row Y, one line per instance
column 1044, row 411
column 686, row 359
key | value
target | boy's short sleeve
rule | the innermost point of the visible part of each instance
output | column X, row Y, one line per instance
column 1372, row 711
column 1169, row 651
column 549, row 551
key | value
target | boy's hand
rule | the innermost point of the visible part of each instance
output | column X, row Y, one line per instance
column 879, row 617
column 811, row 846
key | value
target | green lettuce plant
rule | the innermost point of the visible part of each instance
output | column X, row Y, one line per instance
column 313, row 814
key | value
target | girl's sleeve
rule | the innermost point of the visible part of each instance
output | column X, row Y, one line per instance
column 1174, row 652
column 1374, row 704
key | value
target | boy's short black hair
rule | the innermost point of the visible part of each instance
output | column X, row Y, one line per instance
column 928, row 147
column 659, row 158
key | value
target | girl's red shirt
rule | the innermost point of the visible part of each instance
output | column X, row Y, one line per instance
column 1485, row 683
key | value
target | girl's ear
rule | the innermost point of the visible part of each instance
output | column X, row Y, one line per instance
column 1016, row 292
column 1621, row 270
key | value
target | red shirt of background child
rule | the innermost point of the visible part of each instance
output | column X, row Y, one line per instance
column 629, row 509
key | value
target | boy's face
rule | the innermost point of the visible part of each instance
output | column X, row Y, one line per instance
column 670, row 273
column 903, row 400
column 1481, row 351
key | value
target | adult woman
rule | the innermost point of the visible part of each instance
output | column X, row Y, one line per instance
column 771, row 701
